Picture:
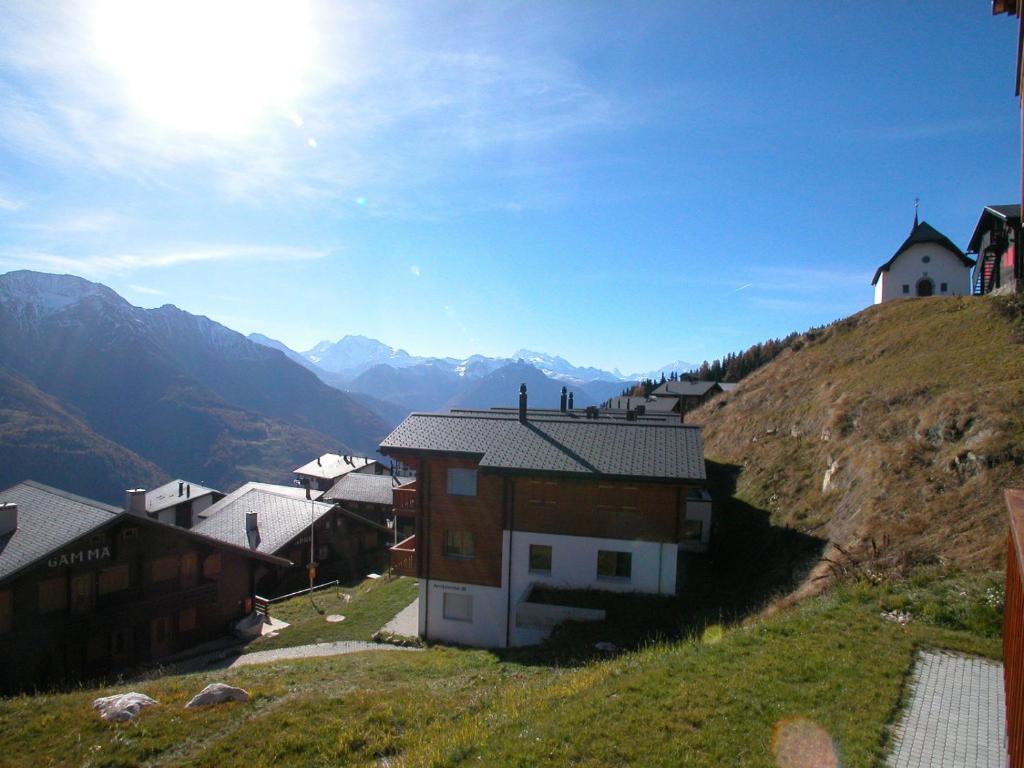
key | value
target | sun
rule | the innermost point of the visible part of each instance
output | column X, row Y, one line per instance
column 207, row 66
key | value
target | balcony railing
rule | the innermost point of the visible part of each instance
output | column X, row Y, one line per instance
column 403, row 557
column 405, row 499
column 1013, row 631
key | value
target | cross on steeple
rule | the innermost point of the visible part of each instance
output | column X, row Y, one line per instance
column 917, row 202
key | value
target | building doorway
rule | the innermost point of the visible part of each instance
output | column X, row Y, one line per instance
column 925, row 287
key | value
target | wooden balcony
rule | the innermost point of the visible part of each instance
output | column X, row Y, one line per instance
column 1013, row 631
column 403, row 557
column 404, row 499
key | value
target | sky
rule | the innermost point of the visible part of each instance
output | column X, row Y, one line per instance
column 623, row 184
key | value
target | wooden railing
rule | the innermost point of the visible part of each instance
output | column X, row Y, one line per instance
column 1013, row 631
column 405, row 499
column 262, row 606
column 403, row 557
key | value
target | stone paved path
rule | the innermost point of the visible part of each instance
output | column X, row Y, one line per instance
column 311, row 651
column 407, row 621
column 956, row 716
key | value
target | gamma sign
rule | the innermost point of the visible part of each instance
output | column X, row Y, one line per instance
column 81, row 556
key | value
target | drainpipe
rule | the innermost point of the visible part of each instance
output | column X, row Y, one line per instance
column 425, row 525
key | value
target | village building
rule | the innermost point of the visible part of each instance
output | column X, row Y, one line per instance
column 87, row 589
column 999, row 268
column 324, row 471
column 278, row 520
column 507, row 501
column 688, row 393
column 927, row 264
column 179, row 502
column 374, row 497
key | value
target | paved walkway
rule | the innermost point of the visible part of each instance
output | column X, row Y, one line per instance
column 407, row 621
column 311, row 651
column 956, row 715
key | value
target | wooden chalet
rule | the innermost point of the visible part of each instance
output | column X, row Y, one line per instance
column 505, row 501
column 278, row 520
column 994, row 243
column 87, row 589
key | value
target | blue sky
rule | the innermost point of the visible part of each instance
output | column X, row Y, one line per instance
column 621, row 184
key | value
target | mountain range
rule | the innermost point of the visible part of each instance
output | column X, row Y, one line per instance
column 98, row 395
column 157, row 393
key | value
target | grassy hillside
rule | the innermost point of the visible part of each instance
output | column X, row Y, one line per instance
column 914, row 408
column 727, row 697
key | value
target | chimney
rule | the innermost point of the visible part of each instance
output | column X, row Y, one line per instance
column 570, row 401
column 8, row 518
column 181, row 487
column 188, row 491
column 522, row 403
column 563, row 404
column 135, row 501
column 251, row 522
column 318, row 462
column 308, row 483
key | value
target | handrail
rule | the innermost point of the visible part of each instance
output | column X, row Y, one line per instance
column 1013, row 631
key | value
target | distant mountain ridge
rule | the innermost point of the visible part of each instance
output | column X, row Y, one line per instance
column 180, row 393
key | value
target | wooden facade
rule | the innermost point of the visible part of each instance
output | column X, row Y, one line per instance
column 552, row 504
column 130, row 592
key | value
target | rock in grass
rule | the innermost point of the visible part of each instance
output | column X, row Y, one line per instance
column 122, row 706
column 217, row 693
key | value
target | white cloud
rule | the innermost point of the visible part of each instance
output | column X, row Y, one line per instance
column 10, row 204
column 96, row 264
column 380, row 90
column 415, row 270
column 146, row 290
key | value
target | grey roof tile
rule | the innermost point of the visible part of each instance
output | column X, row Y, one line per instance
column 48, row 519
column 280, row 517
column 603, row 447
column 685, row 388
column 167, row 495
column 368, row 489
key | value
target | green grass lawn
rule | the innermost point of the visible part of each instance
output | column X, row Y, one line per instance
column 832, row 662
column 367, row 608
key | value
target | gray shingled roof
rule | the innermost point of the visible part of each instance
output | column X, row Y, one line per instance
column 609, row 448
column 727, row 386
column 280, row 518
column 920, row 234
column 685, row 388
column 368, row 489
column 652, row 406
column 167, row 495
column 48, row 519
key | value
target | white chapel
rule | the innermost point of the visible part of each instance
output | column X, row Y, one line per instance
column 927, row 264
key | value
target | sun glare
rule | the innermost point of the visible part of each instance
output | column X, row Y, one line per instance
column 212, row 66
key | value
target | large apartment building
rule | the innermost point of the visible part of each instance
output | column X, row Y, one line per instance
column 505, row 501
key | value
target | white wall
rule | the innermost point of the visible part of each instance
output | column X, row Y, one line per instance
column 909, row 268
column 574, row 564
column 489, row 626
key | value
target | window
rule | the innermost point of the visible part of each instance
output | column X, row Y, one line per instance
column 459, row 544
column 943, row 287
column 6, row 611
column 189, row 569
column 53, row 595
column 926, row 259
column 371, row 540
column 906, row 288
column 121, row 641
column 211, row 566
column 187, row 620
column 130, row 533
column 458, row 606
column 83, row 592
column 164, row 569
column 691, row 530
column 461, row 482
column 540, row 558
column 114, row 579
column 614, row 565
column 323, row 552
